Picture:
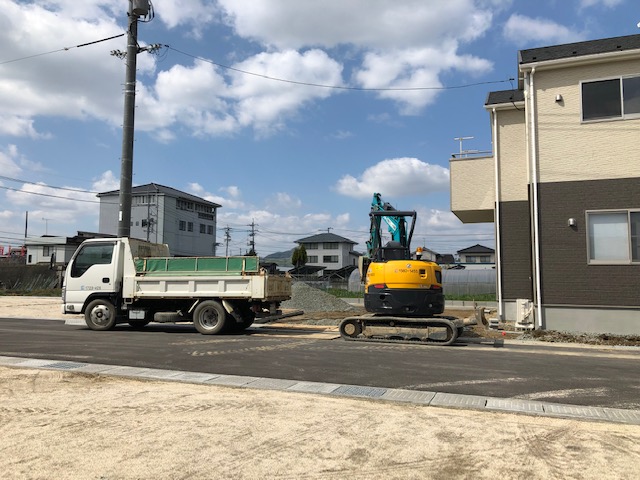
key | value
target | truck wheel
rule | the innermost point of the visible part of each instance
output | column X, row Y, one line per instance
column 209, row 317
column 248, row 315
column 100, row 315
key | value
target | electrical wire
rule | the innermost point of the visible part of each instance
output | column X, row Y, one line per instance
column 17, row 180
column 64, row 49
column 335, row 87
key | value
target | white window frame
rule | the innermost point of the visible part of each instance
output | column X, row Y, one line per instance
column 630, row 260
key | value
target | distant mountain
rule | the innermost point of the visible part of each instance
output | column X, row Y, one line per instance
column 281, row 258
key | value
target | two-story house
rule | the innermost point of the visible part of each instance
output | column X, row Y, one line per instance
column 563, row 187
column 330, row 251
column 160, row 214
column 477, row 257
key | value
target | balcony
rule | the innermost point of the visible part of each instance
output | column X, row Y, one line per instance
column 473, row 189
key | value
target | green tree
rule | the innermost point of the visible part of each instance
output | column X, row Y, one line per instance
column 299, row 256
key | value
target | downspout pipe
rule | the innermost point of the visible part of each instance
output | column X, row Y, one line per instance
column 535, row 179
column 496, row 158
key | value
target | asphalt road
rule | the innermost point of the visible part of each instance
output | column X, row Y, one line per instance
column 606, row 377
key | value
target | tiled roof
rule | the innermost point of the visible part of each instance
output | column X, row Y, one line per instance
column 325, row 237
column 578, row 49
column 504, row 96
column 477, row 249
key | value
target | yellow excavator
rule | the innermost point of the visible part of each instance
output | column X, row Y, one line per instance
column 403, row 294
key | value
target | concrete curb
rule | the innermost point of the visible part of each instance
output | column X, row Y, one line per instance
column 433, row 399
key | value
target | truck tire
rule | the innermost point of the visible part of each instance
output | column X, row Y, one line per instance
column 209, row 317
column 248, row 316
column 100, row 314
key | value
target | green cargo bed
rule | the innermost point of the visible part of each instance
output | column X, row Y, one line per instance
column 197, row 265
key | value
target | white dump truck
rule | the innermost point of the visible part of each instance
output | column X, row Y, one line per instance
column 122, row 280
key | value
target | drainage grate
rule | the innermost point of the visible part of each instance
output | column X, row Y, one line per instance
column 357, row 391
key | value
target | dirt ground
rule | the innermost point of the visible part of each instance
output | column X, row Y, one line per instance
column 68, row 425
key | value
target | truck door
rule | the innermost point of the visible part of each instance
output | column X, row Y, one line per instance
column 93, row 269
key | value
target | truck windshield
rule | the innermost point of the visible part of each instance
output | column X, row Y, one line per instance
column 96, row 254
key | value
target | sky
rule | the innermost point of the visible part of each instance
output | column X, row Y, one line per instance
column 289, row 114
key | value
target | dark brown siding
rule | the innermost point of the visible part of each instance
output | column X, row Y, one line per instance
column 566, row 277
column 516, row 250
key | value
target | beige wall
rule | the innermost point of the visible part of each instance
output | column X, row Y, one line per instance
column 512, row 155
column 570, row 150
column 473, row 188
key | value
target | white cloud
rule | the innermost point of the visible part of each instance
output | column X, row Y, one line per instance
column 264, row 104
column 107, row 182
column 606, row 3
column 203, row 100
column 18, row 126
column 194, row 14
column 9, row 161
column 406, row 45
column 416, row 69
column 523, row 30
column 396, row 177
column 282, row 200
column 64, row 83
column 232, row 199
column 363, row 23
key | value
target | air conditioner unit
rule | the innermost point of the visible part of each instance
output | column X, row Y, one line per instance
column 524, row 314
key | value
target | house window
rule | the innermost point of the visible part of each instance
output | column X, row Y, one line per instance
column 614, row 237
column 209, row 229
column 190, row 226
column 330, row 245
column 311, row 246
column 330, row 259
column 203, row 228
column 46, row 251
column 182, row 225
column 312, row 259
column 478, row 259
column 612, row 98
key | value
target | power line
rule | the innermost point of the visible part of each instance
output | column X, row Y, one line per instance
column 64, row 49
column 51, row 196
column 335, row 87
column 77, row 190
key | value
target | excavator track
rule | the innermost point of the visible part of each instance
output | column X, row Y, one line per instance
column 439, row 330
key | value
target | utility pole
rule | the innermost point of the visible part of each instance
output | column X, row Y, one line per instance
column 252, row 238
column 137, row 9
column 227, row 239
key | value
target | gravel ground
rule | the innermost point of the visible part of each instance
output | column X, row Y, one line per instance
column 310, row 299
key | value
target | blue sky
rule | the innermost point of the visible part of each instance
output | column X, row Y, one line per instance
column 295, row 159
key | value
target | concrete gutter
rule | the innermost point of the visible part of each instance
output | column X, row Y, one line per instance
column 417, row 397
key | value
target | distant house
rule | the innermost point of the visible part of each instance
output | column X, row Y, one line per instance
column 563, row 187
column 160, row 214
column 330, row 251
column 55, row 250
column 477, row 257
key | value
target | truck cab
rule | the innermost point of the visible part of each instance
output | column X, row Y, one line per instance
column 94, row 270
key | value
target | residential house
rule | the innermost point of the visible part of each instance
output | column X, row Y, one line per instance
column 563, row 187
column 55, row 250
column 477, row 257
column 160, row 214
column 330, row 251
